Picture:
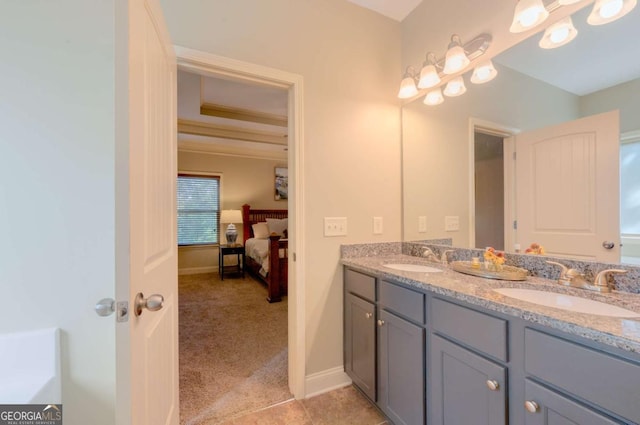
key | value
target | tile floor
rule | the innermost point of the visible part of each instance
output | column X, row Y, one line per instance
column 345, row 406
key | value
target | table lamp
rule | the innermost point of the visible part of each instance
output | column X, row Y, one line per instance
column 230, row 217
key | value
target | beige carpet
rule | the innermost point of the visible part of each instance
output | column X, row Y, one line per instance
column 233, row 356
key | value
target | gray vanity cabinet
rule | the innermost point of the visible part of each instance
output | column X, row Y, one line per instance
column 465, row 387
column 400, row 369
column 547, row 407
column 360, row 344
column 360, row 331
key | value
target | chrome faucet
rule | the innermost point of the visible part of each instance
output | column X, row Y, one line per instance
column 443, row 257
column 429, row 255
column 576, row 279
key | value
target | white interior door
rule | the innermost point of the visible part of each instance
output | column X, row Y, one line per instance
column 152, row 335
column 567, row 188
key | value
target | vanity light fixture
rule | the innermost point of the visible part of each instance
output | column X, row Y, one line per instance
column 408, row 85
column 456, row 58
column 429, row 74
column 558, row 34
column 455, row 87
column 605, row 11
column 484, row 72
column 528, row 14
column 434, row 97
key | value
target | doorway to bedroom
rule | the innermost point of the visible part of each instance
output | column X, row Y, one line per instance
column 233, row 343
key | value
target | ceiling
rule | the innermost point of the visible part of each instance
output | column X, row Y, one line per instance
column 394, row 9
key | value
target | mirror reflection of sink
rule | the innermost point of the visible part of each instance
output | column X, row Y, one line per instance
column 413, row 268
column 567, row 302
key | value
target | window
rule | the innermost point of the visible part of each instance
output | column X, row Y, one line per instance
column 198, row 209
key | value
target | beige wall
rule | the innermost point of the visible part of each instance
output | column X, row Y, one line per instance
column 349, row 59
column 242, row 181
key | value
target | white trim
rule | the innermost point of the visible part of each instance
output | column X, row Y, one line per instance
column 491, row 128
column 630, row 137
column 209, row 64
column 325, row 381
column 210, row 149
column 197, row 270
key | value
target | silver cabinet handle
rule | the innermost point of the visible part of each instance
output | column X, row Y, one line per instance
column 368, row 315
column 380, row 322
column 493, row 385
column 153, row 303
column 531, row 406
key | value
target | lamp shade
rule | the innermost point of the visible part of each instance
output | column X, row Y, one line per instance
column 528, row 14
column 428, row 77
column 605, row 11
column 558, row 34
column 483, row 73
column 456, row 58
column 455, row 87
column 407, row 88
column 434, row 97
column 230, row 216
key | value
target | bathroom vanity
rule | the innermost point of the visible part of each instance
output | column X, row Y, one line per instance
column 445, row 348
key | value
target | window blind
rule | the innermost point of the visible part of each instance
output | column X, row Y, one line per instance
column 198, row 210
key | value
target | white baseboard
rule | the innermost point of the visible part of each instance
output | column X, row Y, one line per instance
column 325, row 381
column 196, row 270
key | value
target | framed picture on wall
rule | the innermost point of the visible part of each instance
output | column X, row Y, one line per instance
column 281, row 183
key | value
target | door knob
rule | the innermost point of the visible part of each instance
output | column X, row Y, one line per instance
column 105, row 307
column 380, row 322
column 368, row 315
column 493, row 385
column 608, row 244
column 153, row 303
column 531, row 406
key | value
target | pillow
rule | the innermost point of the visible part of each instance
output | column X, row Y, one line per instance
column 278, row 226
column 260, row 230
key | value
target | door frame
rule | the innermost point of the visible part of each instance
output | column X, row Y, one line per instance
column 218, row 66
column 506, row 132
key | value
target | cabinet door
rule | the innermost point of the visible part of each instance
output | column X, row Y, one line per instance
column 465, row 387
column 360, row 344
column 401, row 381
column 551, row 408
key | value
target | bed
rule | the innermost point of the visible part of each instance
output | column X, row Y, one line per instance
column 266, row 256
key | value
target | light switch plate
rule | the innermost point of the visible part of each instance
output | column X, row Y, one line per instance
column 377, row 225
column 422, row 224
column 335, row 226
column 451, row 223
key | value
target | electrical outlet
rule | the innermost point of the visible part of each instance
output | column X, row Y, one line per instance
column 335, row 226
column 422, row 224
column 451, row 223
column 377, row 225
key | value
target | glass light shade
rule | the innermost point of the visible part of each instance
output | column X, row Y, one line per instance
column 434, row 97
column 455, row 87
column 428, row 77
column 528, row 14
column 483, row 73
column 407, row 88
column 455, row 60
column 605, row 11
column 558, row 34
column 567, row 2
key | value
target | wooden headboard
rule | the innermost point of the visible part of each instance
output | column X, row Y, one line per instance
column 251, row 217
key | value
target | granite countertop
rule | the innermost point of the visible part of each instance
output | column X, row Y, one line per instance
column 617, row 332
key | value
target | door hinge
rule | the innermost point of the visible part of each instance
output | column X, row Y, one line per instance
column 515, row 224
column 294, row 257
column 514, row 156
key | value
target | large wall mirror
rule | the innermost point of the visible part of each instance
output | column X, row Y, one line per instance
column 458, row 175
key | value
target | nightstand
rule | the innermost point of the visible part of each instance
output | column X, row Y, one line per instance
column 237, row 250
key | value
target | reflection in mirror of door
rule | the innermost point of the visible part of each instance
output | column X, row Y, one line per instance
column 489, row 190
column 630, row 200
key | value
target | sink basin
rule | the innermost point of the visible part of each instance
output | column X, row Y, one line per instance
column 413, row 268
column 567, row 302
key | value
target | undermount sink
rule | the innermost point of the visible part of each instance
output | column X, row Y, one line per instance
column 413, row 268
column 567, row 302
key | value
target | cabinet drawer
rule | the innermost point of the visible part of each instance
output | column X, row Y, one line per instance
column 402, row 301
column 360, row 284
column 480, row 331
column 597, row 377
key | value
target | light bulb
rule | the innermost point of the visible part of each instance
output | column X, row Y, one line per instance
column 455, row 87
column 434, row 97
column 611, row 8
column 455, row 60
column 407, row 88
column 559, row 35
column 529, row 16
column 428, row 77
column 483, row 73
